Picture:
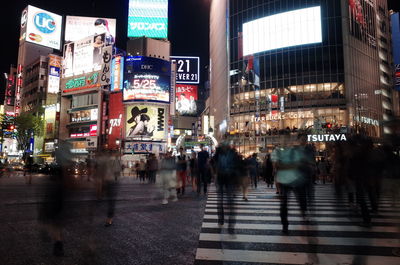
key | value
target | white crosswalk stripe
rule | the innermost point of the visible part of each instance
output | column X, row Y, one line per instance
column 331, row 234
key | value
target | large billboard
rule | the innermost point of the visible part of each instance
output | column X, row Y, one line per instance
column 298, row 27
column 85, row 55
column 77, row 28
column 115, row 119
column 148, row 18
column 187, row 69
column 146, row 122
column 147, row 78
column 186, row 96
column 41, row 27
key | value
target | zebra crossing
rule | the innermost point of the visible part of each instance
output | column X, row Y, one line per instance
column 330, row 235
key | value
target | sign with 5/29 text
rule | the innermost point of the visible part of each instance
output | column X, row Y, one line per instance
column 187, row 69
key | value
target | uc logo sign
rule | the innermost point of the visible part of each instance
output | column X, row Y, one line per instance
column 44, row 23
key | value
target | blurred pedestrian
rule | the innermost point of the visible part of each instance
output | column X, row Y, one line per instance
column 52, row 210
column 323, row 170
column 28, row 169
column 268, row 171
column 288, row 161
column 202, row 169
column 226, row 163
column 105, row 163
column 253, row 170
column 152, row 167
column 181, row 170
column 168, row 178
column 142, row 170
column 193, row 170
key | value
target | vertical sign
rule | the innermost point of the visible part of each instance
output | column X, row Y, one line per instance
column 105, row 78
column 17, row 106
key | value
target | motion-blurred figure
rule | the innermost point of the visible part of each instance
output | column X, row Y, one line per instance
column 181, row 171
column 142, row 170
column 51, row 212
column 168, row 177
column 269, row 171
column 289, row 161
column 152, row 167
column 193, row 170
column 226, row 163
column 203, row 169
column 105, row 170
column 253, row 170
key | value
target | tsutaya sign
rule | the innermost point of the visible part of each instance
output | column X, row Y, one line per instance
column 326, row 137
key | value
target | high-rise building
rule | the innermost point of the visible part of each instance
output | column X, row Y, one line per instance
column 281, row 66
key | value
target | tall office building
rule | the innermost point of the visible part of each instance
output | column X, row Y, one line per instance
column 281, row 66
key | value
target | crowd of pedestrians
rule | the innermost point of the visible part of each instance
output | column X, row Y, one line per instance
column 357, row 169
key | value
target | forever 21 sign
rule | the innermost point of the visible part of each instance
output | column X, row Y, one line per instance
column 187, row 69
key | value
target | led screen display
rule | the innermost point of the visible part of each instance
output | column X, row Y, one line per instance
column 148, row 18
column 298, row 27
column 186, row 96
column 147, row 78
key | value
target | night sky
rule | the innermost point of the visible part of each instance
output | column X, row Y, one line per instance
column 188, row 23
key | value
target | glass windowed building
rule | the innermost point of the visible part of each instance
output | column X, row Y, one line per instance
column 278, row 66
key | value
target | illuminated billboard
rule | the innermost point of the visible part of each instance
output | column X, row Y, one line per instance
column 362, row 21
column 85, row 55
column 146, row 122
column 298, row 27
column 186, row 96
column 148, row 18
column 41, row 27
column 77, row 28
column 187, row 69
column 117, row 73
column 54, row 74
column 147, row 78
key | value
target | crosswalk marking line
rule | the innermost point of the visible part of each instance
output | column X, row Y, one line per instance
column 296, row 218
column 318, row 208
column 293, row 212
column 276, row 198
column 268, row 202
column 375, row 242
column 347, row 228
column 287, row 257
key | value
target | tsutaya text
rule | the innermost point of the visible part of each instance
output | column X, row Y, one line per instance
column 326, row 137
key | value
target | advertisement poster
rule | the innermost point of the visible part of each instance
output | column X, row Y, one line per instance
column 115, row 119
column 186, row 96
column 148, row 18
column 85, row 55
column 77, row 28
column 362, row 21
column 105, row 78
column 147, row 78
column 146, row 122
column 42, row 27
column 145, row 147
column 117, row 73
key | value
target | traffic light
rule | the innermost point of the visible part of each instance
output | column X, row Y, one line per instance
column 11, row 127
column 329, row 125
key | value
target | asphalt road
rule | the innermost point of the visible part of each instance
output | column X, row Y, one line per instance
column 144, row 231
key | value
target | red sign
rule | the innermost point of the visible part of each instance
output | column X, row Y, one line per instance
column 186, row 96
column 93, row 130
column 115, row 119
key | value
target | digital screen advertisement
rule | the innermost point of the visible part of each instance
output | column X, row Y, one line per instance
column 186, row 96
column 147, row 78
column 77, row 28
column 187, row 69
column 298, row 27
column 146, row 122
column 148, row 18
column 42, row 27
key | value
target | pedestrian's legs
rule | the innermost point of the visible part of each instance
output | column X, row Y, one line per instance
column 204, row 179
column 302, row 199
column 198, row 180
column 283, row 208
column 231, row 204
column 183, row 180
column 220, row 205
column 360, row 196
column 111, row 192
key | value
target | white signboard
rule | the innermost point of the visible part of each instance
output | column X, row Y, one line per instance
column 42, row 27
column 326, row 137
column 77, row 28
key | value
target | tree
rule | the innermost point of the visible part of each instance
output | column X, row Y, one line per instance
column 27, row 124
